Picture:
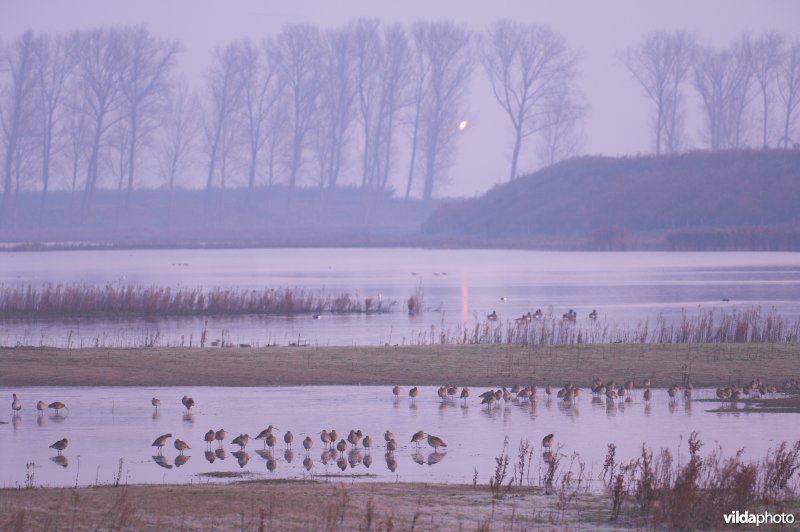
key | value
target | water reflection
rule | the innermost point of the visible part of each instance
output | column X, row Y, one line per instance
column 391, row 463
column 242, row 457
column 308, row 463
column 221, row 453
column 181, row 459
column 210, row 456
column 162, row 460
column 367, row 461
column 272, row 465
column 435, row 458
column 288, row 455
column 60, row 460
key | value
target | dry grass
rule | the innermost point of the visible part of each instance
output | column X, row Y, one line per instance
column 468, row 365
column 119, row 300
column 286, row 505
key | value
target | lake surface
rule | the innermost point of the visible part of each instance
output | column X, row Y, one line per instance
column 461, row 287
column 104, row 425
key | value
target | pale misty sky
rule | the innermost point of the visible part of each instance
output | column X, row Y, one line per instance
column 618, row 119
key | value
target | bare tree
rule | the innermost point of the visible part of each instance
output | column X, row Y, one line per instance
column 297, row 49
column 336, row 104
column 145, row 87
column 178, row 132
column 101, row 54
column 661, row 64
column 446, row 64
column 261, row 94
column 55, row 62
column 788, row 82
column 766, row 61
column 224, row 89
column 383, row 71
column 561, row 135
column 17, row 111
column 526, row 65
column 723, row 80
column 75, row 130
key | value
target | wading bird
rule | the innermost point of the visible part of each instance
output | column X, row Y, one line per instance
column 161, row 441
column 388, row 435
column 391, row 445
column 56, row 405
column 60, row 445
column 16, row 404
column 341, row 446
column 40, row 406
column 367, row 442
column 308, row 443
column 288, row 437
column 396, row 391
column 325, row 437
column 417, row 437
column 181, row 446
column 210, row 437
column 548, row 441
column 413, row 392
column 593, row 314
column 156, row 402
column 188, row 402
column 220, row 435
column 264, row 433
column 241, row 440
column 436, row 442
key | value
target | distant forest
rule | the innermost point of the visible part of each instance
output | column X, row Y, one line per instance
column 99, row 126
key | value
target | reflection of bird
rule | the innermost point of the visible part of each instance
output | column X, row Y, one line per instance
column 163, row 461
column 241, row 440
column 367, row 461
column 417, row 437
column 242, row 457
column 40, row 406
column 181, row 446
column 156, row 402
column 648, row 394
column 60, row 460
column 181, row 459
column 435, row 457
column 391, row 463
column 272, row 465
column 210, row 456
column 308, row 463
column 60, row 445
column 16, row 404
column 288, row 455
column 436, row 442
column 221, row 454
column 56, row 405
column 161, row 441
column 548, row 441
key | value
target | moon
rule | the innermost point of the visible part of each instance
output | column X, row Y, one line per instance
column 462, row 125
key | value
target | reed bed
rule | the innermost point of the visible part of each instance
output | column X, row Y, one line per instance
column 120, row 300
column 706, row 327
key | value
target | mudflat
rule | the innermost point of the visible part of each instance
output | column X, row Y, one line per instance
column 462, row 365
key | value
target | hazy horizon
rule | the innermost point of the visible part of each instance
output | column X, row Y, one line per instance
column 617, row 122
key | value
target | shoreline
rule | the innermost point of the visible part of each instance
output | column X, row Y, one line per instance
column 704, row 365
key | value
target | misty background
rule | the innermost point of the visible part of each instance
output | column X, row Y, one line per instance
column 326, row 120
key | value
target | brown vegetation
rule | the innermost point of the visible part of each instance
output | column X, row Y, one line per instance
column 467, row 365
column 60, row 300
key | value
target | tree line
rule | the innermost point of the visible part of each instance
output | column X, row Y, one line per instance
column 372, row 105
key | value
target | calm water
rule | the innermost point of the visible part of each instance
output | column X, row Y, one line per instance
column 460, row 288
column 104, row 425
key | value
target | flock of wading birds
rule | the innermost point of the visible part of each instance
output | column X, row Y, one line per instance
column 490, row 398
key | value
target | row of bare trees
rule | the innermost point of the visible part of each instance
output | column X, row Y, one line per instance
column 748, row 92
column 369, row 105
column 102, row 107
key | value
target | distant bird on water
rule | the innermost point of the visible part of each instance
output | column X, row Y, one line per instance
column 188, row 402
column 40, row 406
column 60, row 445
column 288, row 437
column 156, row 402
column 396, row 391
column 241, row 440
column 210, row 437
column 548, row 441
column 417, row 437
column 308, row 443
column 412, row 393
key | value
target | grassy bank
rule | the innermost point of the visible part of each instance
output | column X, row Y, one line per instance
column 467, row 365
column 287, row 505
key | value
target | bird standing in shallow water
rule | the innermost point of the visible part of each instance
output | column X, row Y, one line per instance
column 210, row 437
column 16, row 404
column 548, row 441
column 56, row 405
column 417, row 437
column 161, row 441
column 156, row 402
column 220, row 435
column 60, row 445
column 308, row 443
column 288, row 437
column 181, row 445
column 40, row 406
column 435, row 442
column 413, row 392
column 241, row 440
